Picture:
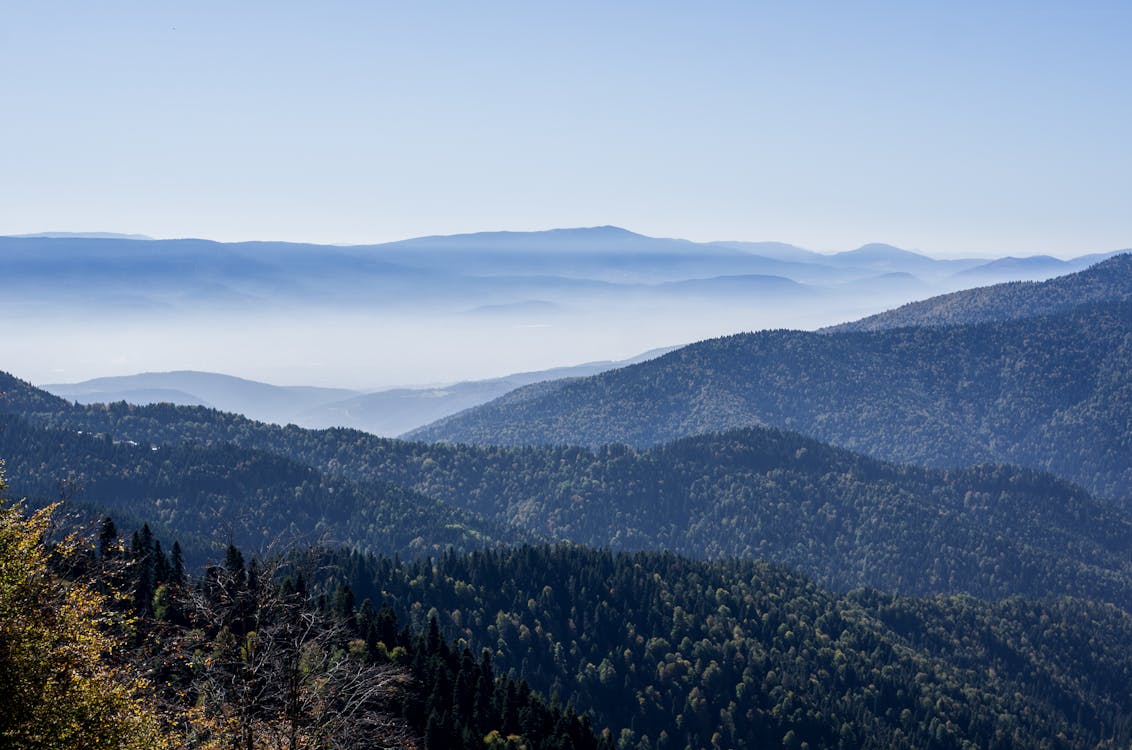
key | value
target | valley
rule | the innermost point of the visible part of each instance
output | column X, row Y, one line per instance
column 891, row 503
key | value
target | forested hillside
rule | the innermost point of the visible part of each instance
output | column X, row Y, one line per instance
column 846, row 519
column 549, row 648
column 671, row 653
column 1108, row 281
column 223, row 494
column 113, row 645
column 693, row 636
column 1051, row 393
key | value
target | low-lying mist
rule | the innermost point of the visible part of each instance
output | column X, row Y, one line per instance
column 364, row 350
column 428, row 311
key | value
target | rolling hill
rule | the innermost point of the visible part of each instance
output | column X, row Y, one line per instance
column 358, row 314
column 222, row 494
column 387, row 412
column 1048, row 393
column 666, row 652
column 1107, row 281
column 260, row 401
column 844, row 518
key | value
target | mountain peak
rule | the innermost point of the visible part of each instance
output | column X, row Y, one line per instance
column 606, row 230
column 880, row 251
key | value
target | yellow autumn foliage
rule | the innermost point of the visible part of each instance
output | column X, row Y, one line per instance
column 58, row 686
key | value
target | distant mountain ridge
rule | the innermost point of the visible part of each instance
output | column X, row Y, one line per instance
column 387, row 412
column 845, row 518
column 1049, row 393
column 478, row 254
column 489, row 302
column 257, row 400
column 1109, row 280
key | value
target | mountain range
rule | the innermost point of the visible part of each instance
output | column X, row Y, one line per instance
column 432, row 309
column 1050, row 392
column 387, row 412
column 911, row 531
column 842, row 517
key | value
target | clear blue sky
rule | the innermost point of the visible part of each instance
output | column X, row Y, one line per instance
column 953, row 128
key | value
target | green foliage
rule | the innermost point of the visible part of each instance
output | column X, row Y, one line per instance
column 663, row 651
column 254, row 498
column 1053, row 394
column 266, row 655
column 846, row 519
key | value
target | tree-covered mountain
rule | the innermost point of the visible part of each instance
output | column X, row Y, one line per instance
column 846, row 519
column 1107, row 281
column 667, row 652
column 843, row 518
column 653, row 650
column 1052, row 393
column 225, row 494
column 105, row 644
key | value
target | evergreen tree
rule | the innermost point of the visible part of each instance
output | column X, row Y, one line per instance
column 177, row 564
column 107, row 539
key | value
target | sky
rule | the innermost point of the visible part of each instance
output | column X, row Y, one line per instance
column 959, row 128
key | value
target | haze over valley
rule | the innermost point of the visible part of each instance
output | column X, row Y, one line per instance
column 434, row 310
column 565, row 376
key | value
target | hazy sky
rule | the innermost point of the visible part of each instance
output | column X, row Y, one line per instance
column 953, row 128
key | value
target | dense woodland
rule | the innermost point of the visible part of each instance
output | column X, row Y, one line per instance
column 1107, row 281
column 843, row 518
column 751, row 587
column 667, row 652
column 249, row 654
column 252, row 498
column 629, row 651
column 1053, row 394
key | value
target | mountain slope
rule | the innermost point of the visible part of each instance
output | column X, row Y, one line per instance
column 226, row 494
column 846, row 519
column 88, row 395
column 1023, row 392
column 1109, row 280
column 398, row 410
column 670, row 652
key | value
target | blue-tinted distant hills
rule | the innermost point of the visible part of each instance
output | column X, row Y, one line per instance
column 267, row 403
column 478, row 267
column 605, row 239
column 775, row 251
column 1033, row 268
column 1107, row 281
column 398, row 410
column 429, row 309
column 881, row 257
column 387, row 412
column 745, row 285
column 987, row 382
